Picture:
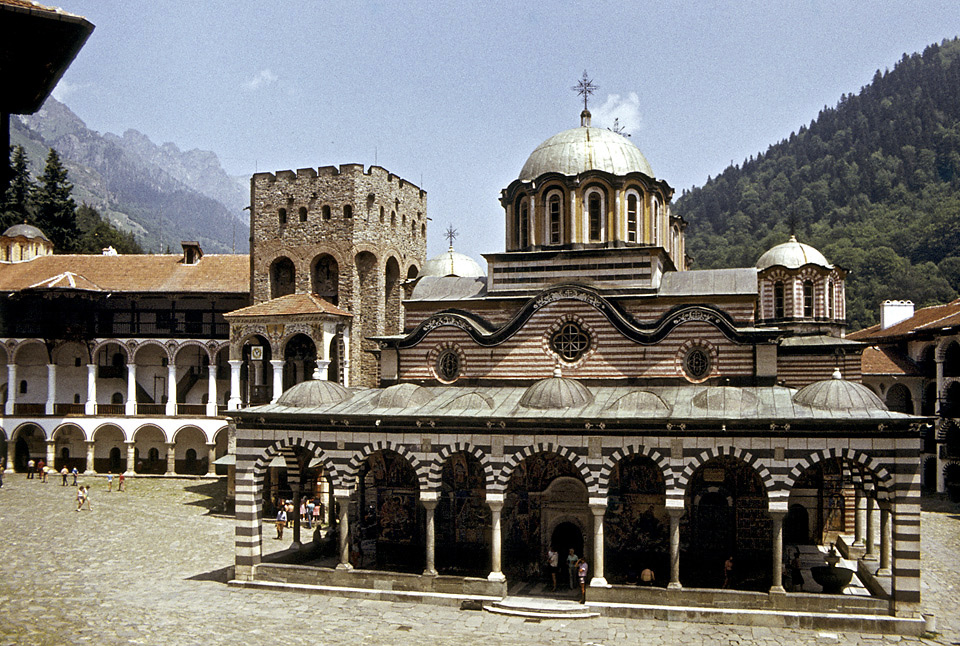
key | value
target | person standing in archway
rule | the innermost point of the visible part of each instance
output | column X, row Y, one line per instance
column 728, row 572
column 582, row 573
column 553, row 562
column 572, row 560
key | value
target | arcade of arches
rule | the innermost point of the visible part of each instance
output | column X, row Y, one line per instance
column 455, row 514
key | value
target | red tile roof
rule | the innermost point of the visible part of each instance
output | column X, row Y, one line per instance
column 884, row 361
column 288, row 305
column 227, row 274
column 928, row 318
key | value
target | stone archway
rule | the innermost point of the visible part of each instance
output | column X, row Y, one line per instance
column 636, row 525
column 388, row 519
column 462, row 518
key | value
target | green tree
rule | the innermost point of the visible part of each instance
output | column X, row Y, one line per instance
column 18, row 201
column 96, row 234
column 56, row 212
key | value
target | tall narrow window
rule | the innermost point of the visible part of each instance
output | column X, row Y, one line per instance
column 778, row 305
column 594, row 209
column 829, row 299
column 523, row 226
column 347, row 211
column 325, row 212
column 282, row 216
column 554, row 207
column 655, row 217
column 808, row 298
column 631, row 218
column 302, row 211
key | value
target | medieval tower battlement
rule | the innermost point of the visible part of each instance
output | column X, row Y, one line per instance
column 348, row 235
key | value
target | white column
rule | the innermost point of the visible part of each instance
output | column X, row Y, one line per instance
column 11, row 456
column 130, row 407
column 495, row 503
column 346, row 355
column 776, row 586
column 51, row 390
column 886, row 540
column 869, row 540
column 212, row 391
column 429, row 505
column 51, row 453
column 131, row 458
column 171, row 389
column 11, row 388
column 171, row 459
column 211, row 456
column 941, row 482
column 234, row 402
column 90, row 408
column 860, row 520
column 344, row 502
column 599, row 507
column 322, row 373
column 277, row 365
column 675, row 515
column 90, row 454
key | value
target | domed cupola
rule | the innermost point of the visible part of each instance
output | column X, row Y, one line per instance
column 452, row 263
column 792, row 255
column 583, row 149
column 556, row 392
column 801, row 290
column 837, row 394
column 313, row 393
column 24, row 242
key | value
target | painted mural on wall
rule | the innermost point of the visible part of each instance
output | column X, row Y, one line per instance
column 636, row 525
column 389, row 530
column 463, row 518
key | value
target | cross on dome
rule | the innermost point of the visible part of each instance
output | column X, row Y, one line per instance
column 451, row 234
column 585, row 88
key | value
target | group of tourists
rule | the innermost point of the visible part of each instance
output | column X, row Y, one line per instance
column 311, row 511
column 576, row 569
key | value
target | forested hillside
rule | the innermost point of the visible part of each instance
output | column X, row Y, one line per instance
column 874, row 183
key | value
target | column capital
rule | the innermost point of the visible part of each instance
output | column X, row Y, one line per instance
column 676, row 512
column 428, row 504
column 777, row 514
column 494, row 498
column 598, row 506
column 235, row 362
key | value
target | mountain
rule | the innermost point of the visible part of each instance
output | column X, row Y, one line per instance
column 873, row 182
column 139, row 186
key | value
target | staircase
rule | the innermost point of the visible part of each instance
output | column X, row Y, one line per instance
column 538, row 608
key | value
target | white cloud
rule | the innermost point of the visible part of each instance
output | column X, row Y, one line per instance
column 263, row 78
column 63, row 90
column 625, row 109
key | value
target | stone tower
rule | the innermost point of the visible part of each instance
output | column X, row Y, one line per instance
column 348, row 235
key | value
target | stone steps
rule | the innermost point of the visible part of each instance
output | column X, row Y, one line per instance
column 538, row 608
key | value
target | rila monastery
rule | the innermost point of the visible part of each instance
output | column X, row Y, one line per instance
column 590, row 393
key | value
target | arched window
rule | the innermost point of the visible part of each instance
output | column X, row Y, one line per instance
column 282, row 277
column 116, row 398
column 282, row 216
column 655, row 217
column 23, row 386
column 325, row 212
column 423, row 230
column 523, row 225
column 675, row 245
column 381, row 215
column 393, row 218
column 829, row 299
column 347, row 211
column 808, row 298
column 403, row 219
column 631, row 218
column 413, row 229
column 326, row 278
column 595, row 216
column 303, row 213
column 555, row 218
column 778, row 300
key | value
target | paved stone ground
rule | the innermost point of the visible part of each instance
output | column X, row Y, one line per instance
column 148, row 567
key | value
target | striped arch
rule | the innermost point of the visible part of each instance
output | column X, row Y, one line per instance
column 636, row 449
column 285, row 447
column 436, row 468
column 581, row 464
column 746, row 457
column 350, row 477
column 870, row 469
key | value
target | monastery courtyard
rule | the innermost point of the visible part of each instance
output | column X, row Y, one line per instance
column 149, row 567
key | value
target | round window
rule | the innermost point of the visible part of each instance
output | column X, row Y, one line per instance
column 448, row 366
column 570, row 341
column 697, row 363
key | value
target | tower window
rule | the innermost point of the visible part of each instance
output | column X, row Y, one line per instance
column 778, row 300
column 523, row 226
column 381, row 215
column 594, row 204
column 808, row 298
column 656, row 222
column 631, row 218
column 325, row 212
column 448, row 366
column 282, row 216
column 393, row 218
column 570, row 342
column 347, row 211
column 303, row 213
column 830, row 314
column 555, row 218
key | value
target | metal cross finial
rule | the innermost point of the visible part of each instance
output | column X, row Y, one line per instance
column 451, row 234
column 585, row 88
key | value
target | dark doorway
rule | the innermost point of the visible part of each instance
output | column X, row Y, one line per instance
column 115, row 459
column 796, row 527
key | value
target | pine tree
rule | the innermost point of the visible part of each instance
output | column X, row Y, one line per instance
column 56, row 212
column 18, row 201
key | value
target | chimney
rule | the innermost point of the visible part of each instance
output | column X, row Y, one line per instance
column 893, row 312
column 191, row 252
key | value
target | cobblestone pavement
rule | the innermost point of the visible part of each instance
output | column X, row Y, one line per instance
column 148, row 567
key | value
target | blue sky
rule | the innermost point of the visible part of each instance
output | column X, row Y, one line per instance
column 454, row 96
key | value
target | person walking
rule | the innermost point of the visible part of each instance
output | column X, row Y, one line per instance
column 42, row 470
column 572, row 559
column 120, row 480
column 110, row 481
column 308, row 517
column 582, row 573
column 553, row 562
column 281, row 522
column 31, row 466
column 64, row 473
column 728, row 572
column 86, row 498
column 74, row 473
column 80, row 497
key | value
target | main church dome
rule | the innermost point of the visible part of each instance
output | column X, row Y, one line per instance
column 577, row 150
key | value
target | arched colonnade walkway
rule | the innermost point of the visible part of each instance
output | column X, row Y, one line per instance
column 458, row 510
